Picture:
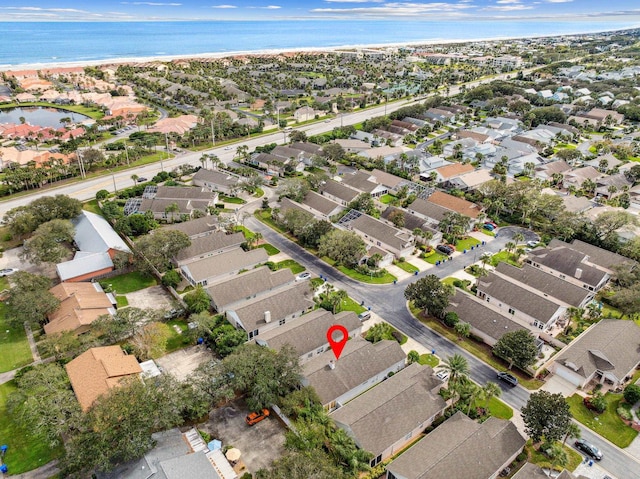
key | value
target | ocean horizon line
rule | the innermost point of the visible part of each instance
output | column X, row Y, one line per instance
column 119, row 60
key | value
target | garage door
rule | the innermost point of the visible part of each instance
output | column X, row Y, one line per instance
column 568, row 375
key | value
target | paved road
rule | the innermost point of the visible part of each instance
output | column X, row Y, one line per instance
column 388, row 301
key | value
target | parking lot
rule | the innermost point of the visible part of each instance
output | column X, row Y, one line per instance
column 183, row 362
column 259, row 444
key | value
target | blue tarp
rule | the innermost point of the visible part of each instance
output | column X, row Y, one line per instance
column 215, row 444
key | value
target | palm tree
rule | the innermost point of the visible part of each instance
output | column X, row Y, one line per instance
column 135, row 178
column 458, row 368
column 574, row 431
column 172, row 208
column 491, row 390
column 518, row 237
column 558, row 456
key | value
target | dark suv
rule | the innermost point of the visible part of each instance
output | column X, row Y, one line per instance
column 446, row 249
column 508, row 378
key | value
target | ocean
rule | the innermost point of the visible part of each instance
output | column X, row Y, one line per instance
column 46, row 43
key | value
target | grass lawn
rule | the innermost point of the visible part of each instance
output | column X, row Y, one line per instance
column 248, row 234
column 429, row 360
column 13, row 344
column 231, row 199
column 466, row 243
column 293, row 265
column 386, row 199
column 487, row 232
column 434, row 256
column 122, row 301
column 609, row 425
column 365, row 278
column 478, row 349
column 259, row 193
column 92, row 206
column 129, row 282
column 349, row 304
column 25, row 451
column 408, row 267
column 497, row 408
column 270, row 249
column 538, row 458
column 504, row 257
column 176, row 341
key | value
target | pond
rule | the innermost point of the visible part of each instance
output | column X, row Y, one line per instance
column 40, row 116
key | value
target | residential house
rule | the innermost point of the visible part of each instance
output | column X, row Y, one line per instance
column 576, row 177
column 221, row 266
column 97, row 370
column 487, row 321
column 528, row 307
column 453, row 203
column 388, row 417
column 176, row 455
column 321, row 206
column 432, row 213
column 612, row 185
column 551, row 286
column 97, row 245
column 361, row 365
column 470, row 181
column 305, row 113
column 393, row 183
column 353, row 145
column 267, row 312
column 169, row 203
column 600, row 257
column 80, row 305
column 203, row 226
column 217, row 180
column 454, row 170
column 339, row 192
column 603, row 116
column 386, row 153
column 308, row 334
column 609, row 351
column 382, row 235
column 570, row 265
column 459, row 448
column 210, row 245
column 546, row 171
column 247, row 286
column 364, row 182
column 576, row 204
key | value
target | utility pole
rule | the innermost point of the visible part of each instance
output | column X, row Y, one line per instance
column 213, row 134
column 126, row 151
column 83, row 174
column 166, row 140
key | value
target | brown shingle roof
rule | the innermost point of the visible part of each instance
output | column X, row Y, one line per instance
column 454, row 169
column 454, row 203
column 97, row 370
column 460, row 447
column 387, row 413
column 80, row 305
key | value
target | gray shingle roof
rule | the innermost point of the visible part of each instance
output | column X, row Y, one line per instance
column 568, row 262
column 596, row 255
column 222, row 178
column 320, row 203
column 518, row 297
column 95, row 234
column 223, row 263
column 309, row 333
column 195, row 227
column 387, row 179
column 383, row 232
column 392, row 409
column 210, row 244
column 247, row 285
column 189, row 466
column 184, row 193
column 280, row 304
column 339, row 190
column 481, row 316
column 460, row 447
column 547, row 283
column 360, row 361
column 429, row 210
column 360, row 181
column 611, row 345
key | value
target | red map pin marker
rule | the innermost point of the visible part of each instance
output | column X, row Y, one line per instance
column 337, row 345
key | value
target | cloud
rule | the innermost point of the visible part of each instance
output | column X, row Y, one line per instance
column 268, row 7
column 153, row 4
column 399, row 9
column 363, row 1
column 40, row 9
column 509, row 8
column 223, row 6
column 508, row 1
column 559, row 1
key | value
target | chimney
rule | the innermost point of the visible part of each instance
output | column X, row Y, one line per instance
column 267, row 316
column 578, row 273
column 332, row 364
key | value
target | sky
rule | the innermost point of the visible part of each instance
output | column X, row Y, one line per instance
column 115, row 10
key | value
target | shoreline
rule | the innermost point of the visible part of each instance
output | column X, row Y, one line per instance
column 281, row 51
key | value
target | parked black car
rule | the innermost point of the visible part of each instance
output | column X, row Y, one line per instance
column 589, row 449
column 508, row 378
column 443, row 248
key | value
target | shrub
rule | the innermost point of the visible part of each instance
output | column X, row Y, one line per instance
column 7, row 237
column 101, row 195
column 397, row 335
column 624, row 413
column 632, row 393
column 451, row 319
column 413, row 356
column 598, row 402
column 171, row 278
column 458, row 283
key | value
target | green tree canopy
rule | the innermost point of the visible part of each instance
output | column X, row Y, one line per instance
column 430, row 294
column 344, row 247
column 160, row 247
column 30, row 300
column 48, row 242
column 546, row 415
column 197, row 300
column 517, row 347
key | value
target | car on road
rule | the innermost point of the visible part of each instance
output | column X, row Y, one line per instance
column 305, row 275
column 532, row 244
column 589, row 449
column 8, row 272
column 141, row 179
column 227, row 148
column 508, row 378
column 256, row 417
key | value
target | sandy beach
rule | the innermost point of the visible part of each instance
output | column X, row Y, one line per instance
column 270, row 52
